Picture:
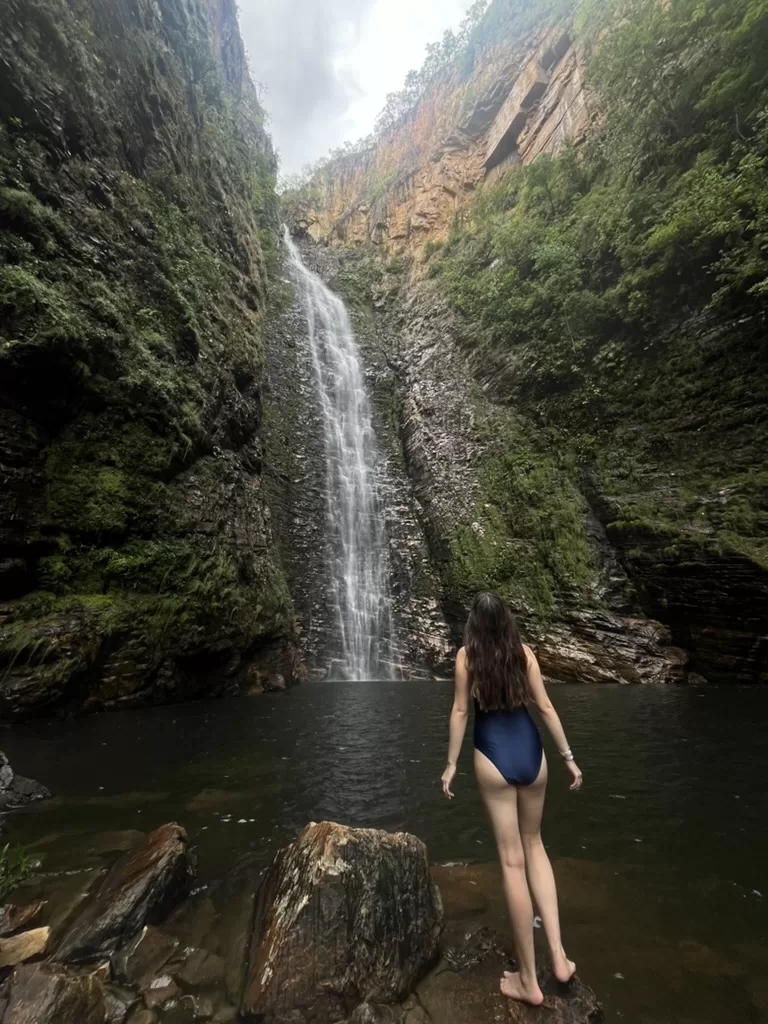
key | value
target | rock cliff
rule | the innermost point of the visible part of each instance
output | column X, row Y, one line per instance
column 522, row 93
column 571, row 317
column 137, row 217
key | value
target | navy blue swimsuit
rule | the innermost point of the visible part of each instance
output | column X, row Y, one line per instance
column 510, row 741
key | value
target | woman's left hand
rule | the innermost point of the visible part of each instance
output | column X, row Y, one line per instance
column 576, row 775
column 448, row 776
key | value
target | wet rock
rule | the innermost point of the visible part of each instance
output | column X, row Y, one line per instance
column 344, row 916
column 52, row 994
column 142, row 887
column 13, row 918
column 464, row 989
column 200, row 969
column 118, row 1007
column 144, row 957
column 161, row 991
column 226, row 1015
column 15, row 790
column 592, row 646
column 274, row 683
column 141, row 1015
column 17, row 949
column 372, row 1013
column 63, row 894
column 188, row 1010
column 49, row 482
column 220, row 920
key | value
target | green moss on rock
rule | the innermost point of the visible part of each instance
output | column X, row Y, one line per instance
column 527, row 539
column 137, row 220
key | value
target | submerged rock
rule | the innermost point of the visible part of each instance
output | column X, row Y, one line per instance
column 144, row 956
column 188, row 1010
column 344, row 916
column 143, row 886
column 51, row 994
column 274, row 683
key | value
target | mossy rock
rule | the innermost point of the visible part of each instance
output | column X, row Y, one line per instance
column 137, row 225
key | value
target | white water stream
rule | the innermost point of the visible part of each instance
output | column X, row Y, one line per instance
column 358, row 570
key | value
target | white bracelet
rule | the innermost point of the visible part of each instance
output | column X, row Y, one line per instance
column 567, row 755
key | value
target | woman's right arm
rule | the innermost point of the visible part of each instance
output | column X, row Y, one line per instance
column 550, row 717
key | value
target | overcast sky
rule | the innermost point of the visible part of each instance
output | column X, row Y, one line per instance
column 328, row 64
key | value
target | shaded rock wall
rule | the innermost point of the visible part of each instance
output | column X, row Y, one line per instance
column 136, row 207
column 586, row 626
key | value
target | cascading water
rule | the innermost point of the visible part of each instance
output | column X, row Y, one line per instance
column 357, row 542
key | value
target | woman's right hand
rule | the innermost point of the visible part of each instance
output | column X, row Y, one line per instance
column 578, row 778
column 447, row 779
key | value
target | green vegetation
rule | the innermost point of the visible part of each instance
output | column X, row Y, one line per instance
column 618, row 292
column 586, row 255
column 528, row 540
column 137, row 234
column 15, row 868
column 366, row 282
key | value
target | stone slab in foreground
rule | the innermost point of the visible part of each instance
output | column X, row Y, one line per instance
column 143, row 887
column 50, row 994
column 345, row 916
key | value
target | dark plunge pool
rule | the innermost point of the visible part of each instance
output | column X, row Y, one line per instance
column 661, row 859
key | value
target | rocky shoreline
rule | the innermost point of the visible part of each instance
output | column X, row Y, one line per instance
column 16, row 790
column 346, row 925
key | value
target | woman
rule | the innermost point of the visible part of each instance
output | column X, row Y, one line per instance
column 502, row 676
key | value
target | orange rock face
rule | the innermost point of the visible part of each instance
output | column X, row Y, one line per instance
column 525, row 96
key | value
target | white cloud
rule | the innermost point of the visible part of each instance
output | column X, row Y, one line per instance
column 329, row 64
column 393, row 43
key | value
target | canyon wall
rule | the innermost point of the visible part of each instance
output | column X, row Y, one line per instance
column 580, row 383
column 523, row 97
column 137, row 215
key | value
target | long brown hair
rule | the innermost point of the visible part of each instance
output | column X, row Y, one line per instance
column 496, row 662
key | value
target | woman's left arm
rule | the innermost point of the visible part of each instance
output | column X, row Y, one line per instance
column 459, row 715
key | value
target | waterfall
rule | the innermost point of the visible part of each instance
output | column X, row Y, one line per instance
column 358, row 559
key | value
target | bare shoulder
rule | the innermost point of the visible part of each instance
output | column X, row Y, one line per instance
column 461, row 657
column 531, row 660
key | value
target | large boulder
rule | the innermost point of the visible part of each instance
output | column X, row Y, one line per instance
column 344, row 916
column 142, row 888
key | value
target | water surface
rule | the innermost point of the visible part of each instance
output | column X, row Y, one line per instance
column 661, row 858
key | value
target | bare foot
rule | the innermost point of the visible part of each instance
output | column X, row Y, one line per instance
column 563, row 968
column 513, row 988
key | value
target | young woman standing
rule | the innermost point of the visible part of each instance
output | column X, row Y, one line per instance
column 501, row 675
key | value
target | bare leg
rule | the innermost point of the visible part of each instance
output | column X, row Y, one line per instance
column 540, row 876
column 500, row 800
